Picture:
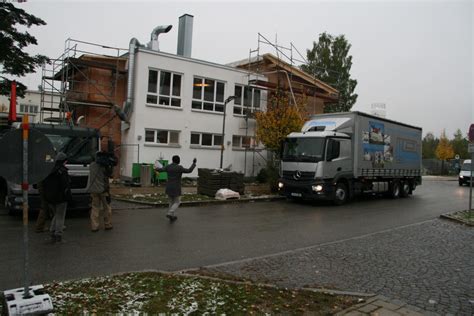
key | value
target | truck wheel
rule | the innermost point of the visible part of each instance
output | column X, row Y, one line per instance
column 395, row 189
column 405, row 189
column 341, row 194
column 460, row 183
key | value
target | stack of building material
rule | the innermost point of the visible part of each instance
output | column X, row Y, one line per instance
column 211, row 180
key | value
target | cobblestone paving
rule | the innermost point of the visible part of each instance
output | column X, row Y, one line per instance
column 428, row 265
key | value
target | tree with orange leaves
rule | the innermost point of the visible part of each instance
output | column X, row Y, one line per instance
column 444, row 151
column 279, row 120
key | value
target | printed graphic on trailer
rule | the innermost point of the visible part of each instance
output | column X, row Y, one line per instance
column 377, row 146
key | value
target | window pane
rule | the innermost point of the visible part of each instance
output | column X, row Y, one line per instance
column 162, row 137
column 174, row 137
column 164, row 101
column 246, row 111
column 208, row 90
column 195, row 139
column 247, row 96
column 238, row 95
column 197, row 105
column 197, row 88
column 246, row 141
column 206, row 140
column 237, row 110
column 176, row 102
column 150, row 136
column 176, row 85
column 220, row 92
column 235, row 141
column 256, row 98
column 151, row 99
column 165, row 83
column 217, row 140
column 152, row 80
column 219, row 107
column 209, row 106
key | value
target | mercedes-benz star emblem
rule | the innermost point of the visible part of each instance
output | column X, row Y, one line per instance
column 297, row 175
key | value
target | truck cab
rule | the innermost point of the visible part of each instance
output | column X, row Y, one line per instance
column 312, row 161
column 79, row 144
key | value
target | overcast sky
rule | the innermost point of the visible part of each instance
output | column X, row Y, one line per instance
column 416, row 57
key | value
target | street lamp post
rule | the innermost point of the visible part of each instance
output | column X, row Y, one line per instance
column 232, row 97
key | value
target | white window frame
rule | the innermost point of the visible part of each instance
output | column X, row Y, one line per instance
column 214, row 144
column 215, row 103
column 156, row 142
column 171, row 96
column 240, row 108
column 29, row 108
column 239, row 145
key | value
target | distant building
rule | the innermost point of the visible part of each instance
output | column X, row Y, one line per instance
column 30, row 104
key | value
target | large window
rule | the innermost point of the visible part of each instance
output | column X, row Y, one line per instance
column 163, row 137
column 208, row 95
column 29, row 108
column 243, row 142
column 164, row 88
column 247, row 100
column 206, row 139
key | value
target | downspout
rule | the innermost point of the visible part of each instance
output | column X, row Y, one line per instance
column 128, row 108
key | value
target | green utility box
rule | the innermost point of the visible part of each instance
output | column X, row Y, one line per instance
column 155, row 177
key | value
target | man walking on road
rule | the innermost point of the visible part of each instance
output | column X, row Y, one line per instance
column 173, row 186
column 100, row 172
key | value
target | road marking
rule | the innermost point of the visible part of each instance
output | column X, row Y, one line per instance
column 307, row 247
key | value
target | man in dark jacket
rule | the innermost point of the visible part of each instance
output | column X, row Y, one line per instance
column 57, row 192
column 173, row 186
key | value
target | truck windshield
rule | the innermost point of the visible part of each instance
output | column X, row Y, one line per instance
column 466, row 167
column 307, row 149
column 80, row 150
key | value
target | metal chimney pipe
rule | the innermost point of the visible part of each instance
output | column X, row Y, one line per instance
column 128, row 107
column 185, row 35
column 154, row 35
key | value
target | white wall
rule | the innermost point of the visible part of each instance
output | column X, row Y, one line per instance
column 185, row 119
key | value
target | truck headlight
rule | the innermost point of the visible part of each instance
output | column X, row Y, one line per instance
column 462, row 177
column 317, row 188
column 280, row 185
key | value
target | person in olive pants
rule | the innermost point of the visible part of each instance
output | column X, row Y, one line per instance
column 173, row 186
column 99, row 189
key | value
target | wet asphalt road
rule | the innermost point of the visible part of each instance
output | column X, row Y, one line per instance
column 206, row 235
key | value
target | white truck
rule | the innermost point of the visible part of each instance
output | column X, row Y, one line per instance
column 339, row 155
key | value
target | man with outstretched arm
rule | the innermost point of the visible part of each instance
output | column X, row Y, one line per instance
column 173, row 186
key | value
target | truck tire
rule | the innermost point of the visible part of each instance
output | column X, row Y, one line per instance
column 405, row 189
column 395, row 189
column 341, row 194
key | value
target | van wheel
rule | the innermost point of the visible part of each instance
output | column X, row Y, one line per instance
column 395, row 189
column 405, row 189
column 341, row 194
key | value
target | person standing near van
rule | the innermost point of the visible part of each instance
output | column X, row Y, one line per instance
column 56, row 190
column 173, row 186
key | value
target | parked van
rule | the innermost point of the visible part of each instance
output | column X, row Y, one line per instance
column 465, row 173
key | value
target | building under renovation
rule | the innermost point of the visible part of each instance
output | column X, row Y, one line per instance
column 172, row 103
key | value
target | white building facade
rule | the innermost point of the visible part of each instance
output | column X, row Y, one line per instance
column 178, row 109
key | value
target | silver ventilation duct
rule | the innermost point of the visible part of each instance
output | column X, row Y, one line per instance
column 128, row 107
column 185, row 35
column 154, row 36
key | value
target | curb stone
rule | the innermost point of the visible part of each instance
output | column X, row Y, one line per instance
column 455, row 219
column 207, row 202
column 381, row 305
